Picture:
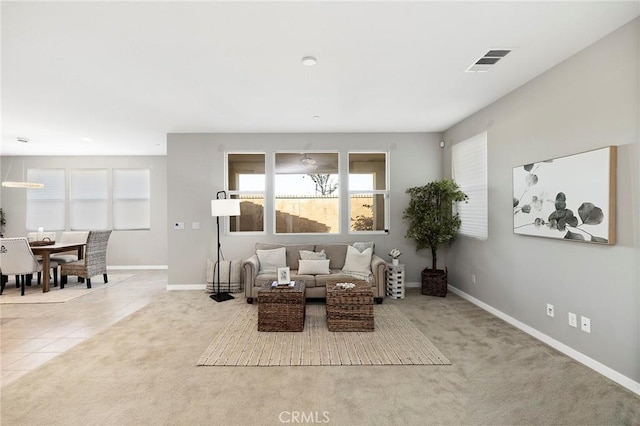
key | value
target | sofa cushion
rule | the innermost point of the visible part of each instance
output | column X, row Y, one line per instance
column 335, row 252
column 358, row 264
column 271, row 260
column 314, row 267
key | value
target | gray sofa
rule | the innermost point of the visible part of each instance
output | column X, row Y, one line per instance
column 315, row 284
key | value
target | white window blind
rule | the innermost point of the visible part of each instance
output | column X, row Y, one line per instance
column 88, row 193
column 131, row 199
column 45, row 206
column 469, row 170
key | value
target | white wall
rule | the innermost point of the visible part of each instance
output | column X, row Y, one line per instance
column 126, row 248
column 589, row 101
column 196, row 173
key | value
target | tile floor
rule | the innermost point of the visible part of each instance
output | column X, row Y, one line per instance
column 32, row 334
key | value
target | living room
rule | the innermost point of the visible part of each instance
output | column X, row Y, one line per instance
column 587, row 100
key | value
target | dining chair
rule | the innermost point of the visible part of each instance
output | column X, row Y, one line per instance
column 16, row 258
column 94, row 261
column 70, row 237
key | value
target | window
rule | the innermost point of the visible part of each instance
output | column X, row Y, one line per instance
column 88, row 197
column 469, row 170
column 246, row 181
column 368, row 192
column 307, row 193
column 131, row 199
column 46, row 206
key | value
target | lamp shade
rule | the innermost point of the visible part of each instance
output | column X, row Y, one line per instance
column 225, row 207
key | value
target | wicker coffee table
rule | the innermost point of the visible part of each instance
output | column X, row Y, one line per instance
column 281, row 308
column 350, row 309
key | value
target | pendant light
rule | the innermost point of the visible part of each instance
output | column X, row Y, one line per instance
column 23, row 183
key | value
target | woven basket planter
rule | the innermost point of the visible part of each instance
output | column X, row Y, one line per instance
column 434, row 283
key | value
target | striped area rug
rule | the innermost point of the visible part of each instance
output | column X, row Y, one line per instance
column 395, row 341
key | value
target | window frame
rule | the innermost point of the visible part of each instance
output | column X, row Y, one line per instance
column 373, row 193
column 239, row 193
column 338, row 192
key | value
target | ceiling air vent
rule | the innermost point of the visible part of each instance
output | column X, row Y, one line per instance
column 488, row 60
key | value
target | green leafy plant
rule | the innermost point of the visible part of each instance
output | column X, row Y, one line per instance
column 432, row 221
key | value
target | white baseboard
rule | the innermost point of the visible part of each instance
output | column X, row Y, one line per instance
column 138, row 267
column 171, row 287
column 413, row 284
column 608, row 372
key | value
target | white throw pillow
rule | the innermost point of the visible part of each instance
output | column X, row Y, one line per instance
column 271, row 260
column 314, row 267
column 358, row 264
column 312, row 255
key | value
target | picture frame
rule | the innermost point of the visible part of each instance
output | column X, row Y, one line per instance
column 570, row 198
column 284, row 275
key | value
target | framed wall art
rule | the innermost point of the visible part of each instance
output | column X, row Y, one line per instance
column 570, row 198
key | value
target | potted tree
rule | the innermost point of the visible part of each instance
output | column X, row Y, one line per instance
column 432, row 223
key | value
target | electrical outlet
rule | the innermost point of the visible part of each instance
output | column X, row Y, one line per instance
column 573, row 320
column 585, row 324
column 473, row 278
column 195, row 225
column 178, row 225
column 550, row 310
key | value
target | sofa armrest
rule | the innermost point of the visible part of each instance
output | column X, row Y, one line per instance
column 250, row 267
column 379, row 270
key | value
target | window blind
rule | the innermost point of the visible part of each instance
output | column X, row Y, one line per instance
column 88, row 194
column 46, row 206
column 469, row 170
column 131, row 199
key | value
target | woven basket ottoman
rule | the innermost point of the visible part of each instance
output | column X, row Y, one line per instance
column 281, row 308
column 349, row 309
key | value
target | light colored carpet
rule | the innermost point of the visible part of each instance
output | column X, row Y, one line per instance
column 395, row 341
column 72, row 290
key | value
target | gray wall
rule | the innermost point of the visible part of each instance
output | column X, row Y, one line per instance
column 126, row 248
column 196, row 172
column 589, row 101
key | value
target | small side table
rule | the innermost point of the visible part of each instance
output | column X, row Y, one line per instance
column 281, row 309
column 395, row 281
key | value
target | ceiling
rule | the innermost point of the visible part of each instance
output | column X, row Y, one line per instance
column 113, row 78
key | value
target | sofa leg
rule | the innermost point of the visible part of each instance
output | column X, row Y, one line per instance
column 378, row 300
column 250, row 300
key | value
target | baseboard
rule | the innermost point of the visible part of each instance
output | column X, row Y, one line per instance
column 413, row 284
column 171, row 287
column 137, row 267
column 597, row 366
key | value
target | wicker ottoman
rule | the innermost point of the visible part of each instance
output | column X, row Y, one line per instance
column 281, row 308
column 349, row 309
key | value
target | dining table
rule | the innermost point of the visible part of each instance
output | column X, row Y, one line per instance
column 45, row 252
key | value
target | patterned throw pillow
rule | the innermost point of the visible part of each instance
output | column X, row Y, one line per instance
column 363, row 246
column 312, row 255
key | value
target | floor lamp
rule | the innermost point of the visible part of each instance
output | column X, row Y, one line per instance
column 223, row 207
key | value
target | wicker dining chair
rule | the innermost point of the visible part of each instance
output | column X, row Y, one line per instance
column 16, row 258
column 94, row 261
